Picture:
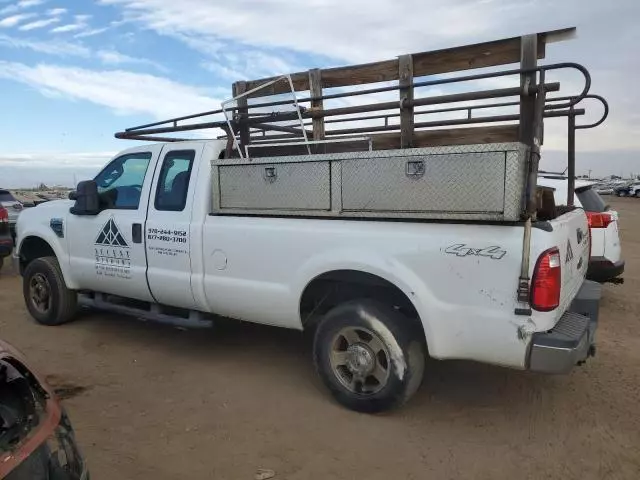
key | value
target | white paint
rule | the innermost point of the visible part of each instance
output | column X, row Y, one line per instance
column 219, row 259
column 466, row 303
column 397, row 357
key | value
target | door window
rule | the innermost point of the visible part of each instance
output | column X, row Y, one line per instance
column 173, row 183
column 120, row 183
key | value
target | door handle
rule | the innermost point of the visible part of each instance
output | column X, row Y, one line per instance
column 136, row 232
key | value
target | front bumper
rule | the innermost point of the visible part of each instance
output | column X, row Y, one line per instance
column 603, row 270
column 572, row 339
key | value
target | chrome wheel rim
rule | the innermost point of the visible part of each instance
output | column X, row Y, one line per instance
column 40, row 293
column 360, row 360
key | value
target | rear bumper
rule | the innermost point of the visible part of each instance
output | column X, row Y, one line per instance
column 602, row 270
column 572, row 340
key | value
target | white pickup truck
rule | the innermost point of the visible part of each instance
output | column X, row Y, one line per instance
column 379, row 294
column 389, row 241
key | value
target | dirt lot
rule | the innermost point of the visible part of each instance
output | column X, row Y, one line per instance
column 152, row 402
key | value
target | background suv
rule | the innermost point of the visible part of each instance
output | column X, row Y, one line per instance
column 6, row 241
column 13, row 206
column 606, row 263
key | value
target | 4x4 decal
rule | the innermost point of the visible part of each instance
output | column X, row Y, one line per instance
column 462, row 250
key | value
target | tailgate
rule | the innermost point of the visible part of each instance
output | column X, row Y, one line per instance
column 570, row 234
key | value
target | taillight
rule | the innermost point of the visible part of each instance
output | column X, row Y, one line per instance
column 4, row 215
column 546, row 282
column 599, row 220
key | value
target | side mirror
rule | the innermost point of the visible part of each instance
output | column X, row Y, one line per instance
column 87, row 199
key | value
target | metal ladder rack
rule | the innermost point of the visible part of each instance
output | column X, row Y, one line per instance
column 248, row 128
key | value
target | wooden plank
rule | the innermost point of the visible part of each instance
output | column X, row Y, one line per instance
column 528, row 56
column 405, row 74
column 453, row 136
column 243, row 110
column 315, row 83
column 389, row 141
column 486, row 54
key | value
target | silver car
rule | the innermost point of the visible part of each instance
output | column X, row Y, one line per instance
column 13, row 206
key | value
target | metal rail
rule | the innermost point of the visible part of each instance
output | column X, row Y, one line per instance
column 570, row 101
column 280, row 117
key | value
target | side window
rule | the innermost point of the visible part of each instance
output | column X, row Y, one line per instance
column 173, row 183
column 120, row 183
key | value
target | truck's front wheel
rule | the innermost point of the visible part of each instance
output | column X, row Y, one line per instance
column 369, row 355
column 46, row 295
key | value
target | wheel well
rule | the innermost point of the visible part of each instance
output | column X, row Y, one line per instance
column 333, row 288
column 33, row 248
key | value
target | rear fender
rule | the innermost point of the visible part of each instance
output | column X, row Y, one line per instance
column 369, row 262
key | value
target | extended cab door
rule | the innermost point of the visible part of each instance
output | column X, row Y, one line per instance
column 168, row 232
column 107, row 251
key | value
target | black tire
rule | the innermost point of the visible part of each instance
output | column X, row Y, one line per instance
column 1, row 262
column 61, row 303
column 405, row 350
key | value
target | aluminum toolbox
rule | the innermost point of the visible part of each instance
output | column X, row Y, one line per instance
column 462, row 182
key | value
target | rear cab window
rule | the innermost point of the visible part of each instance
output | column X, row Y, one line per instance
column 173, row 184
column 591, row 200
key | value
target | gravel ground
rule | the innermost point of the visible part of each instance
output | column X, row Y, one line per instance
column 153, row 402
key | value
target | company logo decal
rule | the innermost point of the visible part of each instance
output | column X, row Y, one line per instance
column 111, row 236
column 569, row 256
column 113, row 256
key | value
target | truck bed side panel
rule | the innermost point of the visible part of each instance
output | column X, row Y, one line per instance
column 461, row 278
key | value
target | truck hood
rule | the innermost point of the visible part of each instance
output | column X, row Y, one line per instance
column 54, row 204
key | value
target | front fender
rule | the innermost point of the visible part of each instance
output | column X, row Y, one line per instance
column 370, row 262
column 57, row 244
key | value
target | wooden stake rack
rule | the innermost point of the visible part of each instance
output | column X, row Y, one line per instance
column 326, row 99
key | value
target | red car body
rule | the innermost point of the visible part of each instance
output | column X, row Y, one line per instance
column 36, row 438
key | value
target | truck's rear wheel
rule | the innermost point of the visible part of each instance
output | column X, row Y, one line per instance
column 46, row 295
column 369, row 355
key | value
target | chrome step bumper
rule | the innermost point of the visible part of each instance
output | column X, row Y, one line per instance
column 571, row 341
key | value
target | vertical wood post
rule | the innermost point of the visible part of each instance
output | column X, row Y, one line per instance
column 315, row 89
column 528, row 59
column 243, row 112
column 405, row 76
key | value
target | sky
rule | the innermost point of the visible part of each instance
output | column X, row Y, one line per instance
column 72, row 73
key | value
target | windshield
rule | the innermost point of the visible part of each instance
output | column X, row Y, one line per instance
column 5, row 196
column 591, row 200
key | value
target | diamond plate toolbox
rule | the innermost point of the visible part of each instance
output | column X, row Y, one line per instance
column 462, row 182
